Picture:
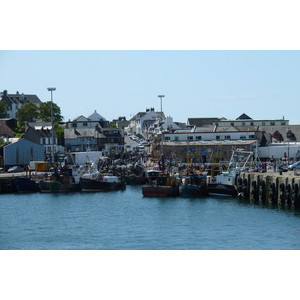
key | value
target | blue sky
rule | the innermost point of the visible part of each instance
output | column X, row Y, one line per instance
column 209, row 59
column 196, row 83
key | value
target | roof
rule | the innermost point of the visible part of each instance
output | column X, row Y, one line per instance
column 141, row 114
column 20, row 98
column 96, row 117
column 199, row 122
column 244, row 117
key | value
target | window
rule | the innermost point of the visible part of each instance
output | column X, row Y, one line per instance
column 176, row 138
column 243, row 124
column 227, row 137
column 232, row 124
column 251, row 136
column 198, row 137
column 189, row 138
column 263, row 123
column 167, row 138
column 273, row 123
column 251, row 123
column 74, row 125
column 242, row 137
column 218, row 137
column 85, row 124
column 283, row 123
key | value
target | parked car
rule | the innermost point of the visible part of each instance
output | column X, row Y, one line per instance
column 15, row 169
column 283, row 168
column 294, row 165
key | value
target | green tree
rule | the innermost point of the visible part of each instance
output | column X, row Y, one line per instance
column 3, row 110
column 45, row 112
column 60, row 134
column 27, row 113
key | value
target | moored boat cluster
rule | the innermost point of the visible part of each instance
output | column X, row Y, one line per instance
column 238, row 179
column 160, row 180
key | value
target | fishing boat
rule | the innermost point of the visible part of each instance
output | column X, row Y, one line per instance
column 163, row 186
column 225, row 183
column 136, row 173
column 26, row 185
column 61, row 180
column 99, row 178
column 101, row 183
column 193, row 185
column 161, row 183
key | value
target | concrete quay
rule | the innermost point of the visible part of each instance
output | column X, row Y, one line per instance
column 271, row 187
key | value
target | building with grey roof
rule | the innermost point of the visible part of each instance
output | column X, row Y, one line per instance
column 16, row 101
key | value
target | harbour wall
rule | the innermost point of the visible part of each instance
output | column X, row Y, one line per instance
column 270, row 188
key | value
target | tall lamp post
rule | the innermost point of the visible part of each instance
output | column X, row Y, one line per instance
column 51, row 89
column 161, row 134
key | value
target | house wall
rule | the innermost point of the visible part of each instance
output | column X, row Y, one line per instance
column 81, row 144
column 209, row 136
column 250, row 122
column 140, row 122
column 279, row 151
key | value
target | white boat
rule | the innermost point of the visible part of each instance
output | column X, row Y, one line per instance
column 225, row 182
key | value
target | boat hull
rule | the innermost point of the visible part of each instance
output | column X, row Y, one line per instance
column 221, row 189
column 94, row 185
column 54, row 186
column 159, row 191
column 26, row 185
column 193, row 190
column 135, row 180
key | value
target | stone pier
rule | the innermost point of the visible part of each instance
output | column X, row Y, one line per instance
column 272, row 187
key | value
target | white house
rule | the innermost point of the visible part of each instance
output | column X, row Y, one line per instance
column 142, row 121
column 15, row 101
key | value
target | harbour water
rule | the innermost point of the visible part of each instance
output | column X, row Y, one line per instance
column 125, row 220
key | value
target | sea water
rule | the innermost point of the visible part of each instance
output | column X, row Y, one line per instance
column 125, row 220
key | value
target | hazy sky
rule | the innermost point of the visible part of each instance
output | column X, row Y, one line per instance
column 262, row 84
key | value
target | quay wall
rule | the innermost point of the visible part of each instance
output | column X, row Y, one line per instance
column 272, row 188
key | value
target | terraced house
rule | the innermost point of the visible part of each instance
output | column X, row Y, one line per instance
column 92, row 133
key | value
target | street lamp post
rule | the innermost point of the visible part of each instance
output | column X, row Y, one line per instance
column 161, row 96
column 51, row 89
column 161, row 133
